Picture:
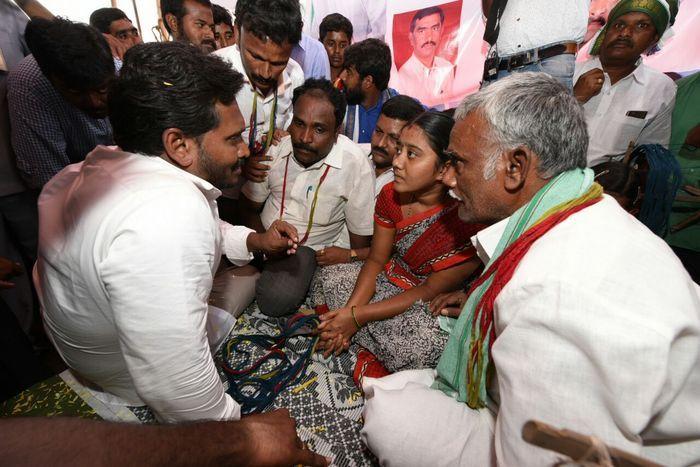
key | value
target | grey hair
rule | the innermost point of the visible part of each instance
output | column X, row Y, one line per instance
column 533, row 110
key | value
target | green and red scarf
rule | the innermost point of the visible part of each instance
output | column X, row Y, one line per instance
column 465, row 364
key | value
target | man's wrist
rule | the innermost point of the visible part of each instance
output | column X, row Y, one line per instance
column 254, row 242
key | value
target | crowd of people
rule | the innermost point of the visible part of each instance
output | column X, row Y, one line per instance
column 488, row 258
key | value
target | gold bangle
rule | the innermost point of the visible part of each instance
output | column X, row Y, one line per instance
column 352, row 312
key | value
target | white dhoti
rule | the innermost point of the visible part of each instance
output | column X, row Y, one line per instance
column 408, row 423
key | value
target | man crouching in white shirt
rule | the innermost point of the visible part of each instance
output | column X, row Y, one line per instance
column 320, row 182
column 130, row 238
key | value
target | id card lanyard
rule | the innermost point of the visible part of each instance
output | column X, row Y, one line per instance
column 313, row 203
column 253, row 146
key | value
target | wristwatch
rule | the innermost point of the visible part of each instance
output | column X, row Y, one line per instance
column 353, row 256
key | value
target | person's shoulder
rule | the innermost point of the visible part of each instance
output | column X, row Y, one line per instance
column 387, row 192
column 350, row 148
column 295, row 73
column 232, row 55
column 280, row 150
column 442, row 62
column 586, row 65
column 27, row 75
column 689, row 81
column 603, row 241
column 660, row 81
column 407, row 66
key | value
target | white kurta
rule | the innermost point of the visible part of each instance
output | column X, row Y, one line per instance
column 610, row 114
column 128, row 247
column 345, row 199
column 598, row 331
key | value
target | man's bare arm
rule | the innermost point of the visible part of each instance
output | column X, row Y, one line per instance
column 486, row 7
column 359, row 241
column 266, row 439
column 34, row 9
column 250, row 213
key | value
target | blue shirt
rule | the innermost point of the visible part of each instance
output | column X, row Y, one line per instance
column 47, row 132
column 365, row 118
column 368, row 120
column 312, row 56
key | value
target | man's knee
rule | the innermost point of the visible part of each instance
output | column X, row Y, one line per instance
column 284, row 282
column 234, row 289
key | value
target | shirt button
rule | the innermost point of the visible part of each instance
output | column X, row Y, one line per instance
column 517, row 19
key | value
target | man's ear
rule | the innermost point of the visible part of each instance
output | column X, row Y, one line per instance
column 367, row 82
column 518, row 162
column 237, row 31
column 171, row 20
column 338, row 130
column 180, row 149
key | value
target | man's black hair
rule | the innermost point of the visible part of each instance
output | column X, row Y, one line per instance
column 75, row 53
column 402, row 107
column 177, row 9
column 168, row 85
column 102, row 18
column 221, row 15
column 420, row 14
column 324, row 89
column 371, row 57
column 335, row 22
column 279, row 20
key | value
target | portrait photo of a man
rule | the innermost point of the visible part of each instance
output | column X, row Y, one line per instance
column 426, row 75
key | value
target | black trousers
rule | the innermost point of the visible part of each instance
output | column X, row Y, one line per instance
column 19, row 366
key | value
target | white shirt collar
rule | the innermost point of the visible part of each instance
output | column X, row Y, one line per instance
column 207, row 189
column 639, row 74
column 234, row 56
column 333, row 159
column 486, row 240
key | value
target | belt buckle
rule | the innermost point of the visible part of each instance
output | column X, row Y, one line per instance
column 515, row 62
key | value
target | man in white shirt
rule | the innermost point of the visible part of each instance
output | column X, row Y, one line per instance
column 625, row 101
column 396, row 113
column 425, row 75
column 368, row 17
column 537, row 35
column 262, row 55
column 130, row 239
column 322, row 184
column 583, row 319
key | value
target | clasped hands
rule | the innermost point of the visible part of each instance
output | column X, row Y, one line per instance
column 338, row 326
column 335, row 331
column 280, row 239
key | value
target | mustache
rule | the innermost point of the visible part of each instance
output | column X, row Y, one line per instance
column 622, row 40
column 429, row 43
column 304, row 147
column 266, row 81
column 379, row 150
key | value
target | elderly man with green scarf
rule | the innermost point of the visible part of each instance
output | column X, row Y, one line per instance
column 624, row 100
column 582, row 318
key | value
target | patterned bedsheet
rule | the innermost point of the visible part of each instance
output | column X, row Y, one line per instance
column 325, row 402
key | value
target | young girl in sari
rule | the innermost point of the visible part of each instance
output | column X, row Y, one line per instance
column 420, row 249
